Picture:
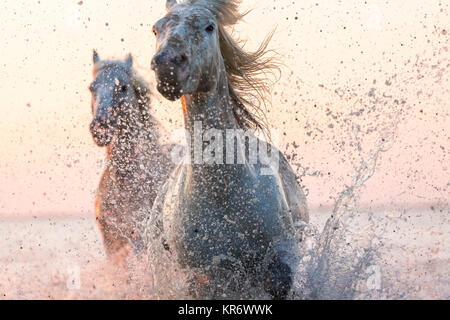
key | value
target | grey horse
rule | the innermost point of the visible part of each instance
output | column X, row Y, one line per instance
column 137, row 163
column 230, row 224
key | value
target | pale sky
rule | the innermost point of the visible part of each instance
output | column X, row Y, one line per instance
column 340, row 57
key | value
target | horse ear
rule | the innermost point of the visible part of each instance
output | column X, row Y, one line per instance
column 95, row 57
column 170, row 4
column 129, row 61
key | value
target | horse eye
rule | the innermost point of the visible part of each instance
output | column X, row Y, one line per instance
column 210, row 28
column 123, row 88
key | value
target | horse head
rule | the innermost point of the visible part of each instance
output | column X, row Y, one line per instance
column 114, row 101
column 196, row 54
column 188, row 57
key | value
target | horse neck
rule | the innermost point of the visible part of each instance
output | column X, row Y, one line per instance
column 214, row 110
column 132, row 141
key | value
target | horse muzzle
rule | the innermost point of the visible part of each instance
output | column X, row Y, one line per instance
column 172, row 73
column 101, row 133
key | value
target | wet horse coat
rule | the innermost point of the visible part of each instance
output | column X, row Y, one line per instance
column 224, row 221
column 137, row 164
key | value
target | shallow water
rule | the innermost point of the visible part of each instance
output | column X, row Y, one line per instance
column 389, row 254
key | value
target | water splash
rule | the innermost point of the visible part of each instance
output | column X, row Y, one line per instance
column 336, row 261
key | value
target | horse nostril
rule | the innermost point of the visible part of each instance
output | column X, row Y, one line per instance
column 183, row 59
column 99, row 124
column 101, row 120
column 179, row 60
column 158, row 59
column 169, row 57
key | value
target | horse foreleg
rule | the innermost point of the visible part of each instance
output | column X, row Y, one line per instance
column 278, row 277
column 116, row 244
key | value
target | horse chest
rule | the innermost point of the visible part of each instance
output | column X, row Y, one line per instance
column 120, row 195
column 206, row 231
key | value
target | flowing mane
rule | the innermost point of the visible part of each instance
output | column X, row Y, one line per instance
column 248, row 72
column 140, row 86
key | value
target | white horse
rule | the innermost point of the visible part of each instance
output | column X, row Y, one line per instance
column 138, row 164
column 229, row 224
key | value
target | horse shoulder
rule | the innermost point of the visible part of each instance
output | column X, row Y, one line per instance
column 104, row 191
column 293, row 193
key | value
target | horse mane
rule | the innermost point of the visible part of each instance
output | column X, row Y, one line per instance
column 140, row 87
column 248, row 72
